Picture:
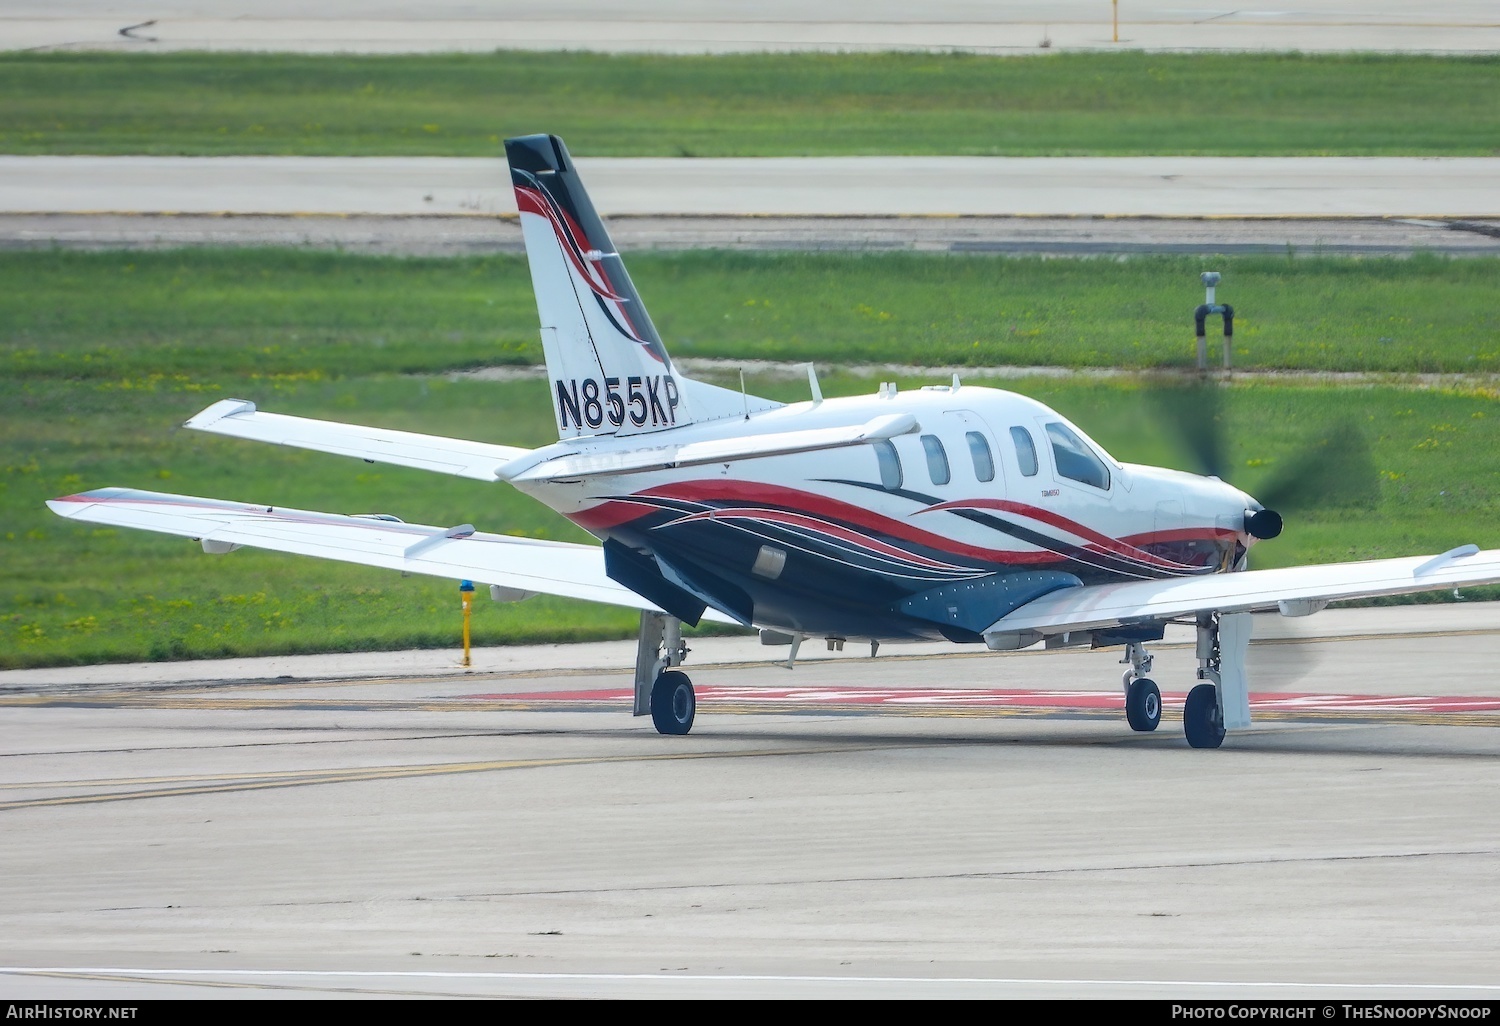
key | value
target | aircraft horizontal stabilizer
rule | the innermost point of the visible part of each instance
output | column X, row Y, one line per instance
column 240, row 419
column 458, row 553
column 1295, row 590
column 724, row 450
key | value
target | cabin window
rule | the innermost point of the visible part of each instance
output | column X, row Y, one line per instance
column 1025, row 450
column 1075, row 460
column 890, row 465
column 937, row 460
column 984, row 460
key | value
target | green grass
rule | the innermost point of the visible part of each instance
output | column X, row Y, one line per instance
column 750, row 105
column 75, row 593
column 102, row 356
column 188, row 320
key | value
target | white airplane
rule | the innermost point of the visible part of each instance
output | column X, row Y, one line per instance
column 971, row 514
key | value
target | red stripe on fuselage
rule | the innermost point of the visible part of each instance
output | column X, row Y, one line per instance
column 1115, row 546
column 616, row 512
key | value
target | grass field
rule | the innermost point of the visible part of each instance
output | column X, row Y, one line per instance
column 750, row 105
column 102, row 356
column 72, row 593
column 186, row 319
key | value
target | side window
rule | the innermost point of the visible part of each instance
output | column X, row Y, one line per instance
column 937, row 460
column 984, row 460
column 890, row 465
column 1025, row 450
column 1075, row 460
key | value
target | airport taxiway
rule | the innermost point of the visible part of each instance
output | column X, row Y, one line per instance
column 1062, row 206
column 714, row 26
column 932, row 822
column 1171, row 186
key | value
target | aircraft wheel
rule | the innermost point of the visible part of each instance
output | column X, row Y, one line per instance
column 1201, row 720
column 673, row 703
column 1143, row 705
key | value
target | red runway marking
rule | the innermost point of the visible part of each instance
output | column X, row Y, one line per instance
column 1028, row 698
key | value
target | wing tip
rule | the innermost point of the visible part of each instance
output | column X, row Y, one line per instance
column 70, row 505
column 211, row 415
column 73, row 505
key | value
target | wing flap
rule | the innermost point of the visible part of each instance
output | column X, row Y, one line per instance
column 458, row 553
column 1109, row 605
column 238, row 418
column 722, row 450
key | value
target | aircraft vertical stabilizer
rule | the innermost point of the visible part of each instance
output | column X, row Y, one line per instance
column 608, row 370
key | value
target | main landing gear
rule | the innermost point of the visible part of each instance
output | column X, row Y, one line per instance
column 1221, row 701
column 665, row 693
column 1202, row 720
column 1142, row 697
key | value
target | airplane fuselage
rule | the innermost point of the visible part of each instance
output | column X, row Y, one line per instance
column 993, row 492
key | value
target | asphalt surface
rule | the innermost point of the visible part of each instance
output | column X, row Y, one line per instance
column 709, row 26
column 395, row 826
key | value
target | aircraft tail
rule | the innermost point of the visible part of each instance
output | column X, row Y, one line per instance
column 609, row 372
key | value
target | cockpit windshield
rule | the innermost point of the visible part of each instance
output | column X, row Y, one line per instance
column 1075, row 460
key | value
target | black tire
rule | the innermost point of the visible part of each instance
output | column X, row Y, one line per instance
column 1143, row 705
column 673, row 704
column 1201, row 720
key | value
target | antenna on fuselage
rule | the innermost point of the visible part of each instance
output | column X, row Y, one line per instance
column 812, row 383
column 743, row 394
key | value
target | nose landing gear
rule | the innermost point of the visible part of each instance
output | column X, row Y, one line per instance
column 1142, row 697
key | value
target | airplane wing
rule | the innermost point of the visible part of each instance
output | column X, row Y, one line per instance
column 240, row 419
column 1296, row 591
column 458, row 553
column 724, row 450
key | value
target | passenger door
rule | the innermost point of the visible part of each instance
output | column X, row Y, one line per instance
column 975, row 453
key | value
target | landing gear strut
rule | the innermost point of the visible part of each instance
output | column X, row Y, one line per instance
column 1142, row 697
column 665, row 693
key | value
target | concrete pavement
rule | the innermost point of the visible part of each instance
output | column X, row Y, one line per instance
column 456, row 834
column 1420, row 187
column 619, row 656
column 706, row 26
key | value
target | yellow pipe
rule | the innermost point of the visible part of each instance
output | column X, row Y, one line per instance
column 466, row 590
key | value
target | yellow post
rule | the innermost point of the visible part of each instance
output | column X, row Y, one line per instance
column 466, row 591
column 1115, row 5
